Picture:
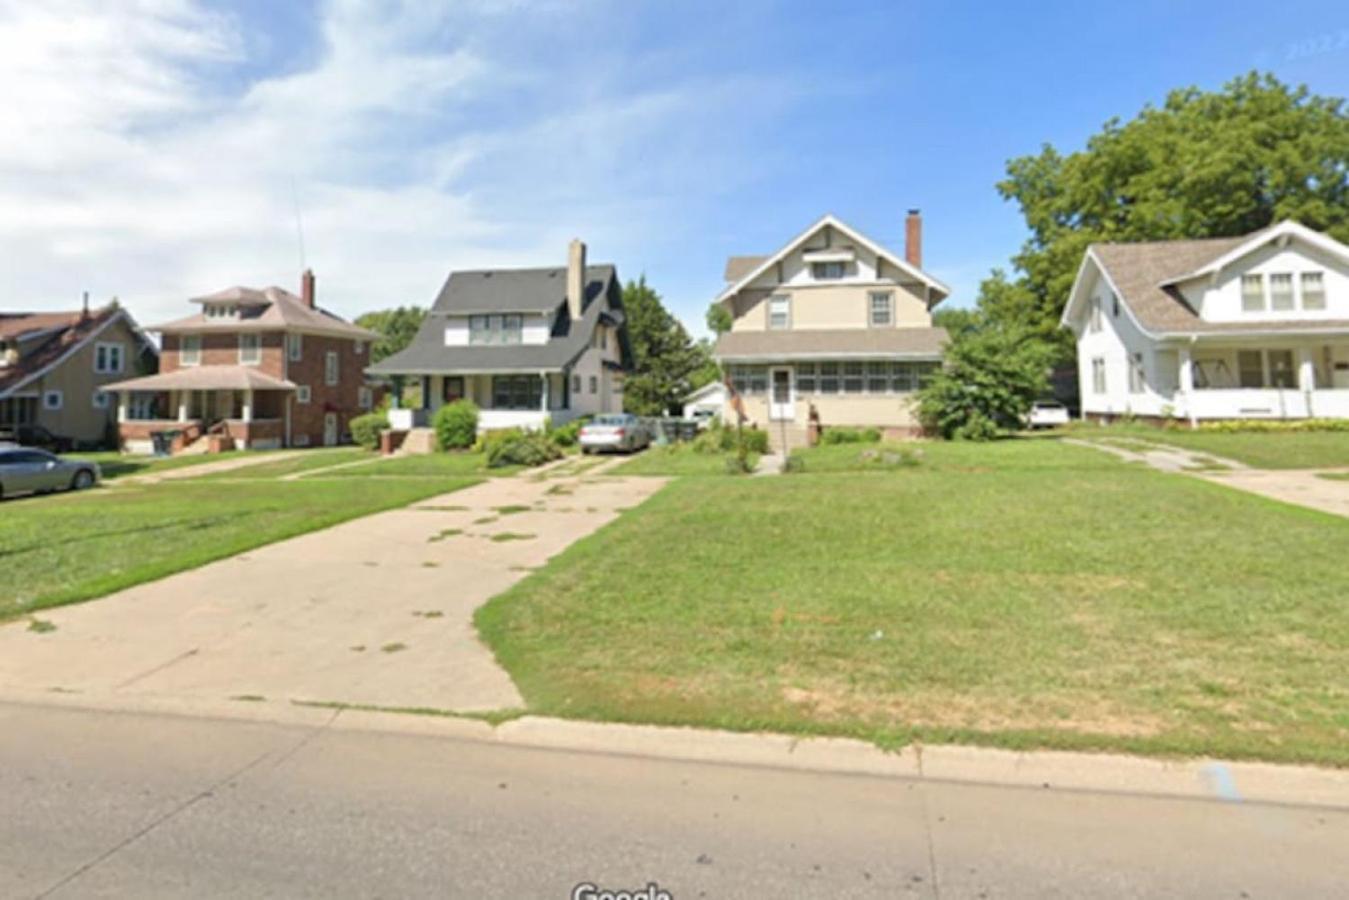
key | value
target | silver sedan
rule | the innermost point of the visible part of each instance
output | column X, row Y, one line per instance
column 28, row 470
column 614, row 432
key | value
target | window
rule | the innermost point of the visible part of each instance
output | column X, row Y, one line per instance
column 517, row 392
column 1281, row 371
column 330, row 370
column 1098, row 376
column 512, row 329
column 480, row 329
column 828, row 378
column 826, row 271
column 1313, row 290
column 53, row 400
column 18, row 411
column 576, row 384
column 294, row 347
column 880, row 309
column 1137, row 381
column 302, row 394
column 364, row 399
column 902, row 377
column 250, row 349
column 805, row 378
column 853, row 380
column 594, row 384
column 1250, row 369
column 144, row 406
column 878, row 377
column 360, row 347
column 1252, row 293
column 1281, row 291
column 98, row 400
column 1095, row 322
column 189, row 350
column 108, row 358
column 779, row 312
column 749, row 379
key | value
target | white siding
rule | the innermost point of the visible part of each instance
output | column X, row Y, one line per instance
column 1221, row 302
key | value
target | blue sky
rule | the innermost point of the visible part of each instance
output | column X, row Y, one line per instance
column 159, row 149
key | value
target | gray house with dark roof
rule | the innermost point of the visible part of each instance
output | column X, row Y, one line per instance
column 528, row 346
column 1245, row 327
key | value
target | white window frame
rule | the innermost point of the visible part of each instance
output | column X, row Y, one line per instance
column 594, row 384
column 250, row 348
column 1249, row 299
column 785, row 300
column 887, row 298
column 98, row 399
column 1096, row 320
column 1138, row 383
column 826, row 271
column 364, row 398
column 302, row 394
column 104, row 353
column 189, row 350
column 53, row 399
column 479, row 329
column 1099, row 384
column 294, row 346
column 1289, row 298
column 1320, row 279
column 332, row 371
column 512, row 329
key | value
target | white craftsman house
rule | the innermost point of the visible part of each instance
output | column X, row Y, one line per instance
column 1250, row 327
column 530, row 347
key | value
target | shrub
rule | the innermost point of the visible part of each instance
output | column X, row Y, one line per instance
column 1236, row 426
column 738, row 465
column 794, row 464
column 567, row 435
column 456, row 425
column 850, row 436
column 991, row 377
column 365, row 429
column 756, row 441
column 517, row 447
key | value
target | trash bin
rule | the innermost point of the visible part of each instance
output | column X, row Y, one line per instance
column 162, row 441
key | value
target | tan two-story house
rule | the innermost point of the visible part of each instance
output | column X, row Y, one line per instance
column 259, row 369
column 833, row 322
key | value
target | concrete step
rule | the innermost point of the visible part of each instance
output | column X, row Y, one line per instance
column 419, row 440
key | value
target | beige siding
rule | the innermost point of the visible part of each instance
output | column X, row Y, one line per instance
column 888, row 411
column 76, row 379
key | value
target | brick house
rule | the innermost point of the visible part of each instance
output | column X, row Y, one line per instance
column 260, row 369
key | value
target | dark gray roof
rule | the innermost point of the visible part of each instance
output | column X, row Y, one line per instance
column 916, row 343
column 510, row 290
column 428, row 355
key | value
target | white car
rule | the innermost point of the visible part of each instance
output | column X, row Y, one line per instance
column 1047, row 414
column 623, row 432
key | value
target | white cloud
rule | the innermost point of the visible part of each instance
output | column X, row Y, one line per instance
column 141, row 155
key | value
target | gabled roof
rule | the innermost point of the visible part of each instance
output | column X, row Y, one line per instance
column 1145, row 275
column 267, row 309
column 58, row 335
column 738, row 263
column 510, row 290
column 428, row 355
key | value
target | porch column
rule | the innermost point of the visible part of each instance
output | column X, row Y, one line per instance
column 183, row 398
column 248, row 406
column 396, row 401
column 543, row 395
column 1306, row 377
column 1186, row 382
column 123, row 401
column 426, row 392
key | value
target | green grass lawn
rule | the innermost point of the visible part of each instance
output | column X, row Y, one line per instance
column 69, row 547
column 676, row 459
column 116, row 465
column 294, row 462
column 1023, row 593
column 452, row 463
column 1261, row 450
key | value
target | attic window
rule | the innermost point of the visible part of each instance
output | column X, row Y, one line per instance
column 826, row 271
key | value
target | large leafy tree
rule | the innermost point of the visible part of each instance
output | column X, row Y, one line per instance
column 396, row 328
column 666, row 362
column 1204, row 164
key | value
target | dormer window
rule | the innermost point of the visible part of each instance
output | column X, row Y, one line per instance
column 1281, row 291
column 222, row 311
column 827, row 271
column 1252, row 293
column 1313, row 291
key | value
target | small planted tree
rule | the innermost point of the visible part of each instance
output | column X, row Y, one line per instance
column 991, row 377
column 365, row 429
column 456, row 425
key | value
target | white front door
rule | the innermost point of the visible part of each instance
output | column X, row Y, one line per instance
column 781, row 395
column 330, row 429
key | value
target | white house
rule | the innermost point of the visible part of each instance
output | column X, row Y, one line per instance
column 1251, row 327
column 706, row 402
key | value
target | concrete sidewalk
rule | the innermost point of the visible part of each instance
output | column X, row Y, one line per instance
column 1300, row 486
column 375, row 611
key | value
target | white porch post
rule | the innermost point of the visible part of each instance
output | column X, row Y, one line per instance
column 1186, row 381
column 248, row 406
column 183, row 398
column 1306, row 377
column 123, row 401
column 543, row 395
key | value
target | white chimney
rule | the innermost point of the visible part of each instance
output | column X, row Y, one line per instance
column 576, row 277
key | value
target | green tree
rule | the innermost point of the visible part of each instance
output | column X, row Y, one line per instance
column 1204, row 164
column 993, row 373
column 396, row 327
column 664, row 357
column 718, row 319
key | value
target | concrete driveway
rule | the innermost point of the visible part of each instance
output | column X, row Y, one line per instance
column 1304, row 487
column 374, row 611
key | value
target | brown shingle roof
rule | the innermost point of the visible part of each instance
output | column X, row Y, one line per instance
column 72, row 330
column 880, row 343
column 737, row 267
column 208, row 378
column 280, row 310
column 13, row 325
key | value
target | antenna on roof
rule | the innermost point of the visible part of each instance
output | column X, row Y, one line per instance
column 299, row 223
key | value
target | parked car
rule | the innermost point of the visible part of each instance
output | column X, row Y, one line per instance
column 614, row 432
column 28, row 470
column 37, row 436
column 1047, row 414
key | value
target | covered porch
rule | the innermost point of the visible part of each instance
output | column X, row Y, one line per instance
column 231, row 406
column 1258, row 378
column 529, row 400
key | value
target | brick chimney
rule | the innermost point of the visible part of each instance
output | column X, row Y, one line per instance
column 913, row 239
column 576, row 278
column 307, row 288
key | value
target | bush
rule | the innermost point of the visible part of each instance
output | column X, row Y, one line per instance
column 756, row 441
column 517, row 447
column 991, row 377
column 456, row 425
column 850, row 436
column 567, row 435
column 365, row 429
column 1237, row 426
column 794, row 464
column 738, row 465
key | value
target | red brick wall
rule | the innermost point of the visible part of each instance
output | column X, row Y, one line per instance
column 222, row 349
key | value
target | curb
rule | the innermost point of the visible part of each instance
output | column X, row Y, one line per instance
column 1189, row 779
